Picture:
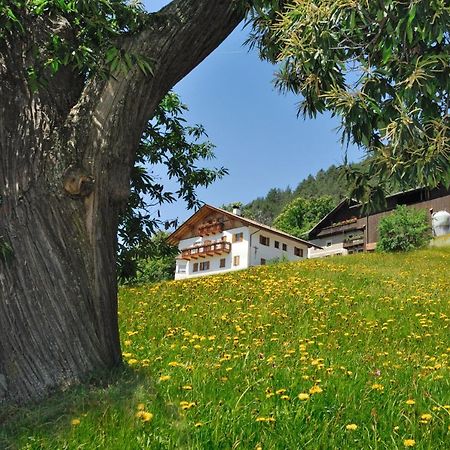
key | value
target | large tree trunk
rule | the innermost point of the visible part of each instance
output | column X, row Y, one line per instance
column 65, row 156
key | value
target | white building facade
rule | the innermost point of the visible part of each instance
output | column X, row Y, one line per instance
column 214, row 241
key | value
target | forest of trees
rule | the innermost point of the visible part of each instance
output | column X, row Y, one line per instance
column 326, row 182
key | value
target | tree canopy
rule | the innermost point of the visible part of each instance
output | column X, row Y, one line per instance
column 300, row 215
column 383, row 67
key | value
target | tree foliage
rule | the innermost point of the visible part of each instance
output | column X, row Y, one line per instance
column 170, row 143
column 160, row 265
column 383, row 67
column 328, row 182
column 299, row 216
column 403, row 230
column 89, row 37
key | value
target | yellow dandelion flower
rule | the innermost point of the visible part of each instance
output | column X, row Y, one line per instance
column 187, row 388
column 409, row 442
column 315, row 389
column 140, row 407
column 351, row 427
column 284, row 397
column 198, row 424
column 303, row 396
column 410, row 402
column 265, row 419
column 75, row 422
column 164, row 377
column 280, row 391
column 145, row 416
column 426, row 417
column 377, row 387
column 186, row 405
column 132, row 361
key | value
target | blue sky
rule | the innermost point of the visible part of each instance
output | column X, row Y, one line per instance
column 256, row 131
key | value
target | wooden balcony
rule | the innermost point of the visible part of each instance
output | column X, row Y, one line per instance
column 349, row 243
column 210, row 228
column 204, row 250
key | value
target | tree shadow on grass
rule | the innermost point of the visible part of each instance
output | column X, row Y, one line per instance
column 105, row 405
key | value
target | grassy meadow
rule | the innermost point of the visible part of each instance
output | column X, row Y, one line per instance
column 341, row 353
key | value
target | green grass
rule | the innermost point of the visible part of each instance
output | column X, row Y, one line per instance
column 371, row 331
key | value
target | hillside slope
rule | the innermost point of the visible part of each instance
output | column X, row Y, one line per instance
column 342, row 353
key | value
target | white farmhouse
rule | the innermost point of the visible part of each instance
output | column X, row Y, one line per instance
column 214, row 241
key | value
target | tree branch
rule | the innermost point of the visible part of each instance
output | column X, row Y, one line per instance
column 177, row 39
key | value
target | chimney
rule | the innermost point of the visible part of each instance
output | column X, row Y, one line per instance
column 236, row 210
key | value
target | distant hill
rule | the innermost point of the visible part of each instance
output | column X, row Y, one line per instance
column 328, row 182
column 324, row 182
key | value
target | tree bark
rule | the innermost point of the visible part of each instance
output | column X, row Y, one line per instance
column 66, row 153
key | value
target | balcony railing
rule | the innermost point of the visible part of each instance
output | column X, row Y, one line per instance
column 353, row 242
column 204, row 250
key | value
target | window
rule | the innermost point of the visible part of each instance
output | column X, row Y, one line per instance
column 236, row 261
column 204, row 265
column 222, row 263
column 263, row 240
column 263, row 262
column 238, row 237
column 181, row 267
column 298, row 252
column 277, row 244
column 195, row 268
column 284, row 247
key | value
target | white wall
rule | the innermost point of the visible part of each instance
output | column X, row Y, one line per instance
column 237, row 249
column 258, row 250
column 336, row 248
column 247, row 256
column 330, row 250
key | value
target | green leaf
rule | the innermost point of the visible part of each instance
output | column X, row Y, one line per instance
column 387, row 52
column 412, row 14
column 111, row 54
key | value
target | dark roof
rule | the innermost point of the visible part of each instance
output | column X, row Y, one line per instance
column 344, row 203
column 205, row 210
column 353, row 204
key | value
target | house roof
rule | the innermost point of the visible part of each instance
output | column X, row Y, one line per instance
column 344, row 203
column 351, row 203
column 205, row 210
